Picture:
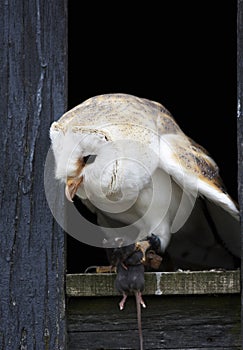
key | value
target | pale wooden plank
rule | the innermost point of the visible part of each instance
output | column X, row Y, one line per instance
column 157, row 283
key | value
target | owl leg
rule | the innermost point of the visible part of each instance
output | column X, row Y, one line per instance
column 155, row 243
column 156, row 257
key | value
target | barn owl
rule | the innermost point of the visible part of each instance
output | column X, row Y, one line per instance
column 130, row 163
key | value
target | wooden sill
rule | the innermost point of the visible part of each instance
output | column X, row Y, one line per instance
column 158, row 283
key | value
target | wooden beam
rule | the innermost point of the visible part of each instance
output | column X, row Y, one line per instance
column 157, row 283
column 170, row 322
column 33, row 93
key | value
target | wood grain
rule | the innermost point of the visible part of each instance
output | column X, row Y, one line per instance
column 33, row 94
column 156, row 283
column 169, row 322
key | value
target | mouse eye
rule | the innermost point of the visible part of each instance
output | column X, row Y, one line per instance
column 89, row 159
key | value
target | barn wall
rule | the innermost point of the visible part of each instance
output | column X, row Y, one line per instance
column 33, row 68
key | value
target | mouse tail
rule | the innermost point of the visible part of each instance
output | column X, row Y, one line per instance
column 139, row 318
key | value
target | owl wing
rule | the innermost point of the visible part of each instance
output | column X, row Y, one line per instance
column 215, row 216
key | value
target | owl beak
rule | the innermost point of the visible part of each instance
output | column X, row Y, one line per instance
column 72, row 186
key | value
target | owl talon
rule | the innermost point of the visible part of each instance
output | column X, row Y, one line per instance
column 154, row 242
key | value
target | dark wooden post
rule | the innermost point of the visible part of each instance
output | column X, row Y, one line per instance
column 240, row 124
column 33, row 93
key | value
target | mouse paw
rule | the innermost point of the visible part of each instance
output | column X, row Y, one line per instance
column 122, row 302
column 140, row 299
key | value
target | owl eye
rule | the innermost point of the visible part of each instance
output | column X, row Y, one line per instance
column 89, row 159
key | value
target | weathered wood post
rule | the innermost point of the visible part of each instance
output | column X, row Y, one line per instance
column 240, row 126
column 33, row 92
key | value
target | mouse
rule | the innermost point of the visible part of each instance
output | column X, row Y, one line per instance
column 130, row 279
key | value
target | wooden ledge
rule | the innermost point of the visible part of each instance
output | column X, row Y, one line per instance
column 158, row 283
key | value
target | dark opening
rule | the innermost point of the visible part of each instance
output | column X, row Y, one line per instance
column 179, row 53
